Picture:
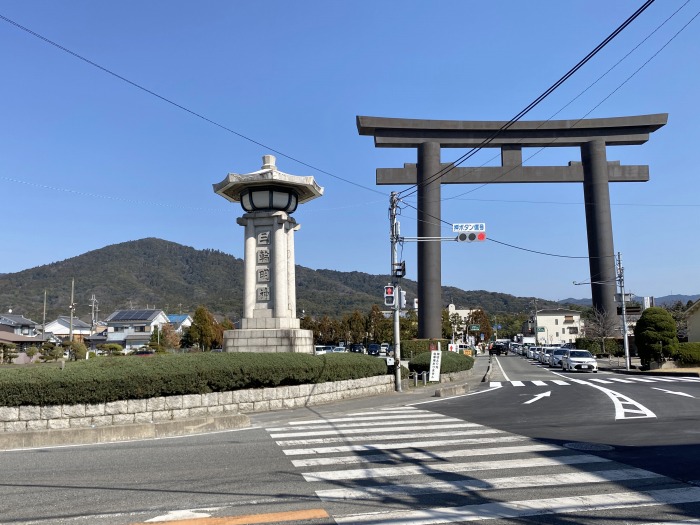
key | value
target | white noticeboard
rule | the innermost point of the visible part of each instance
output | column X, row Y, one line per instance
column 435, row 360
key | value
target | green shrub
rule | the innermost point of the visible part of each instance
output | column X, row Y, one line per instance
column 109, row 379
column 655, row 335
column 411, row 348
column 688, row 354
column 450, row 363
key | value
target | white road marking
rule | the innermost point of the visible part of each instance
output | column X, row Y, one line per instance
column 602, row 381
column 449, row 423
column 517, row 383
column 381, row 492
column 560, row 382
column 388, row 436
column 436, row 418
column 495, row 384
column 515, row 509
column 539, row 383
column 413, row 470
column 538, row 397
column 427, row 456
column 402, row 444
column 620, row 380
column 672, row 392
column 501, row 369
column 355, row 419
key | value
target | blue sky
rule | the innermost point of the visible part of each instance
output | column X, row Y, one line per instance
column 88, row 160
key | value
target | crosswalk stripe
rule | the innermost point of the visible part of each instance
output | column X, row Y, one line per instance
column 539, row 383
column 387, row 437
column 517, row 383
column 602, row 381
column 378, row 493
column 643, row 379
column 373, row 430
column 495, row 384
column 434, row 455
column 515, row 509
column 321, row 425
column 620, row 380
column 403, row 444
column 354, row 419
column 560, row 382
column 412, row 470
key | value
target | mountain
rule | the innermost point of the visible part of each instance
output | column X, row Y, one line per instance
column 161, row 274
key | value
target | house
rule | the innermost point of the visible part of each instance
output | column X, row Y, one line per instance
column 692, row 316
column 17, row 324
column 61, row 328
column 133, row 328
column 557, row 326
column 180, row 322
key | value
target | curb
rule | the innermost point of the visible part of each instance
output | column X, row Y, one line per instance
column 111, row 434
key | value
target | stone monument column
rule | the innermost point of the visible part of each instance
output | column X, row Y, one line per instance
column 269, row 196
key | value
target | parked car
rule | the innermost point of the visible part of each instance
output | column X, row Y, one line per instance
column 579, row 360
column 374, row 349
column 358, row 348
column 337, row 349
column 322, row 349
column 384, row 348
column 555, row 357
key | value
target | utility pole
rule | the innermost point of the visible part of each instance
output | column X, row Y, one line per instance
column 43, row 330
column 621, row 281
column 394, row 237
column 72, row 307
column 95, row 309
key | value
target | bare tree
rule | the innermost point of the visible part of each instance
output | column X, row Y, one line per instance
column 601, row 325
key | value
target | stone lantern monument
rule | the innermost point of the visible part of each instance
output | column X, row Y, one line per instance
column 268, row 197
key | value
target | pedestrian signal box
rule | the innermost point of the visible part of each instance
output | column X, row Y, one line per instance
column 390, row 295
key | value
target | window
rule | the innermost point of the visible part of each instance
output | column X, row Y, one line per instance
column 568, row 318
column 556, row 321
column 573, row 330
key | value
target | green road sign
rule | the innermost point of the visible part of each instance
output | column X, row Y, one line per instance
column 474, row 327
column 540, row 328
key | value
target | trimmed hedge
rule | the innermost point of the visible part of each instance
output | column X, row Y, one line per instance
column 688, row 354
column 413, row 347
column 121, row 378
column 450, row 363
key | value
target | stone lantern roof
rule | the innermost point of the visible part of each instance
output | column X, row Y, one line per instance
column 235, row 184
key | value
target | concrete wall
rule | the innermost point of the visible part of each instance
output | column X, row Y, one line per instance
column 175, row 408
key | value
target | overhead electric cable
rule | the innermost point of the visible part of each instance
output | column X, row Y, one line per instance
column 442, row 172
column 183, row 108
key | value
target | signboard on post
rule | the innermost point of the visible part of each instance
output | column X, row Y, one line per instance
column 474, row 327
column 540, row 328
column 435, row 360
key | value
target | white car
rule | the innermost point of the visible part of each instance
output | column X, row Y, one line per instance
column 579, row 360
column 556, row 355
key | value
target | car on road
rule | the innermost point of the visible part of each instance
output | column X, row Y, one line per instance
column 374, row 349
column 533, row 352
column 544, row 355
column 385, row 348
column 498, row 349
column 575, row 360
column 555, row 357
column 338, row 349
column 322, row 349
column 358, row 348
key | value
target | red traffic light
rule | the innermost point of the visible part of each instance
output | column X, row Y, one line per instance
column 388, row 290
column 481, row 236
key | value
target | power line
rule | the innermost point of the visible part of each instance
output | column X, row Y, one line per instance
column 183, row 108
column 442, row 172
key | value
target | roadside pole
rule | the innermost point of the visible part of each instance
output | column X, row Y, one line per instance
column 621, row 280
column 394, row 236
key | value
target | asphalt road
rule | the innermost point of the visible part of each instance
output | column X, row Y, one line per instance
column 532, row 446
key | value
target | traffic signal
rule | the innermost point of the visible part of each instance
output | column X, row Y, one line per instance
column 471, row 236
column 390, row 295
column 402, row 303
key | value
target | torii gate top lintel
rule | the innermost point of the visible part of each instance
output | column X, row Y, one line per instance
column 410, row 133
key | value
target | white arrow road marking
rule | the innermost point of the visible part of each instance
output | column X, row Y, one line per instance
column 538, row 396
column 672, row 392
column 625, row 407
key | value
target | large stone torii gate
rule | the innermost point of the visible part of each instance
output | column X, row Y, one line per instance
column 594, row 171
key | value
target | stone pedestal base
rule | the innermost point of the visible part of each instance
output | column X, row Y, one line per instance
column 269, row 340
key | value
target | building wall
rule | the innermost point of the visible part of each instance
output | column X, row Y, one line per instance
column 694, row 326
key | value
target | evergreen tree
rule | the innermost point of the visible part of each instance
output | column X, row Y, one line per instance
column 203, row 330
